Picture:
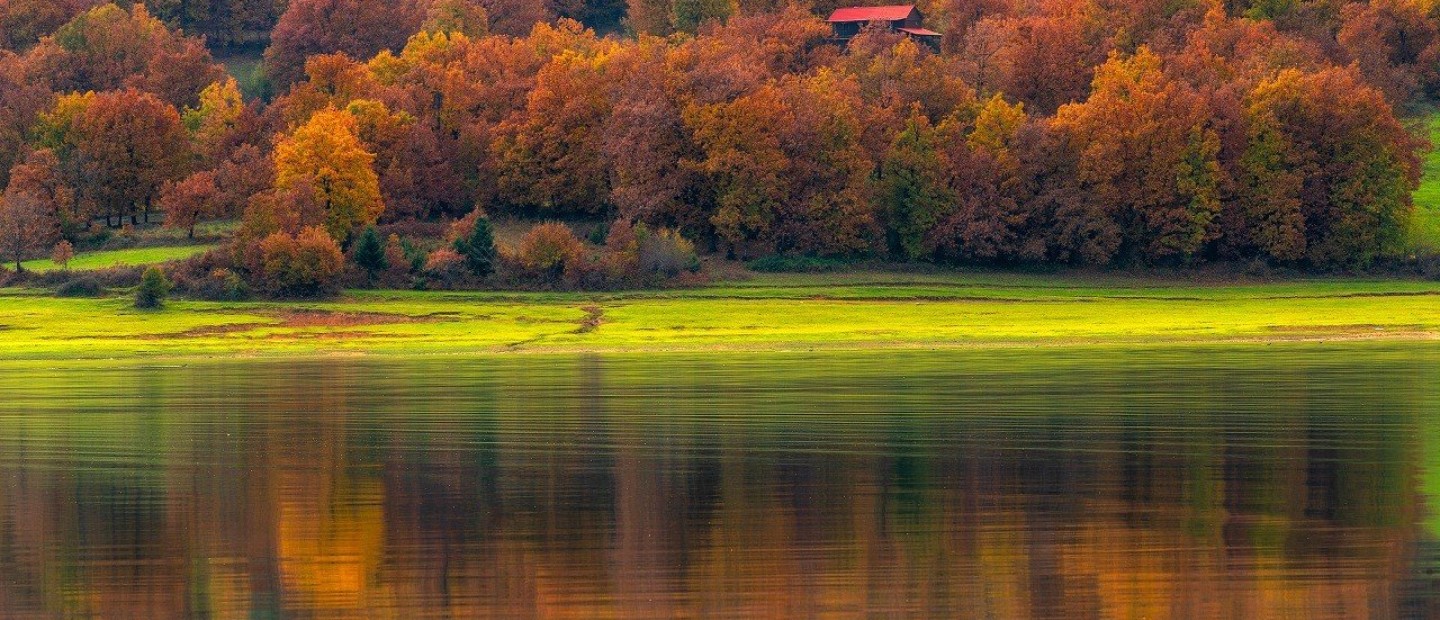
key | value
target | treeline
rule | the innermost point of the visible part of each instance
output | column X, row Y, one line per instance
column 1139, row 132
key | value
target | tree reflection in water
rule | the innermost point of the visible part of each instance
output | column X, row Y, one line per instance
column 1073, row 484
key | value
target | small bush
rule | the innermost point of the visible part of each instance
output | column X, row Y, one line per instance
column 306, row 265
column 622, row 251
column 122, row 239
column 445, row 268
column 795, row 264
column 85, row 286
column 99, row 238
column 549, row 249
column 398, row 265
column 416, row 253
column 154, row 287
column 221, row 285
column 667, row 254
column 1427, row 265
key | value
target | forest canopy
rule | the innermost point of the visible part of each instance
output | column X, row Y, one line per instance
column 1066, row 131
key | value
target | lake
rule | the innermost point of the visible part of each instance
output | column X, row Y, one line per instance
column 1293, row 481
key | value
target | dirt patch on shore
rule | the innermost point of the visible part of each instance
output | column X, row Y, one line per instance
column 212, row 330
column 1357, row 328
column 303, row 319
column 326, row 335
column 326, row 318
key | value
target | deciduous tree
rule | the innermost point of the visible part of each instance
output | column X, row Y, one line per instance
column 1396, row 45
column 120, row 148
column 24, row 22
column 1046, row 61
column 109, row 48
column 1149, row 152
column 911, row 190
column 327, row 155
column 26, row 228
column 550, row 154
column 216, row 119
column 644, row 140
column 23, row 96
column 40, row 177
column 62, row 254
column 689, row 15
column 1327, row 157
column 189, row 201
column 356, row 28
column 745, row 166
column 516, row 17
column 466, row 17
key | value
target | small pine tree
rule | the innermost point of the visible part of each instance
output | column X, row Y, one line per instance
column 154, row 287
column 478, row 248
column 370, row 253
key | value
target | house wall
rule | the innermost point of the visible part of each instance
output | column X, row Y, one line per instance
column 846, row 30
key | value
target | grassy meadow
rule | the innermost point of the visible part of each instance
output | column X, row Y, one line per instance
column 769, row 312
column 1425, row 227
column 120, row 258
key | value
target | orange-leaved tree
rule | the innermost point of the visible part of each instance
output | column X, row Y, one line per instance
column 1148, row 152
column 327, row 155
column 117, row 149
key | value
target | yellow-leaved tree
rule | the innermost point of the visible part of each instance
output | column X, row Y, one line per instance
column 215, row 119
column 326, row 155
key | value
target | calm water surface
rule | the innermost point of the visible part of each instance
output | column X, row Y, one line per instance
column 1261, row 482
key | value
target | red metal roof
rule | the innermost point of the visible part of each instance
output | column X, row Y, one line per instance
column 872, row 13
column 919, row 32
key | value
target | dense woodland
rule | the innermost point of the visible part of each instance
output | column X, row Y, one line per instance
column 1098, row 132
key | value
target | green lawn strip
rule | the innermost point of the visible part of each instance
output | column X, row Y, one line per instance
column 1425, row 226
column 117, row 258
column 784, row 313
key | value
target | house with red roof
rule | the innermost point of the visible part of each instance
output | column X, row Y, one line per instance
column 902, row 18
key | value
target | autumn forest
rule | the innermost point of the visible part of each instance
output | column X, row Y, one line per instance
column 377, row 141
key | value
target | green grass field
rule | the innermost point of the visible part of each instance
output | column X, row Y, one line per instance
column 779, row 312
column 1425, row 227
column 119, row 258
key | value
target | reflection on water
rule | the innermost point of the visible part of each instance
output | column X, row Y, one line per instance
column 1218, row 483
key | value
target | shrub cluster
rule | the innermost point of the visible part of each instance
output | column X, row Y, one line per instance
column 308, row 264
